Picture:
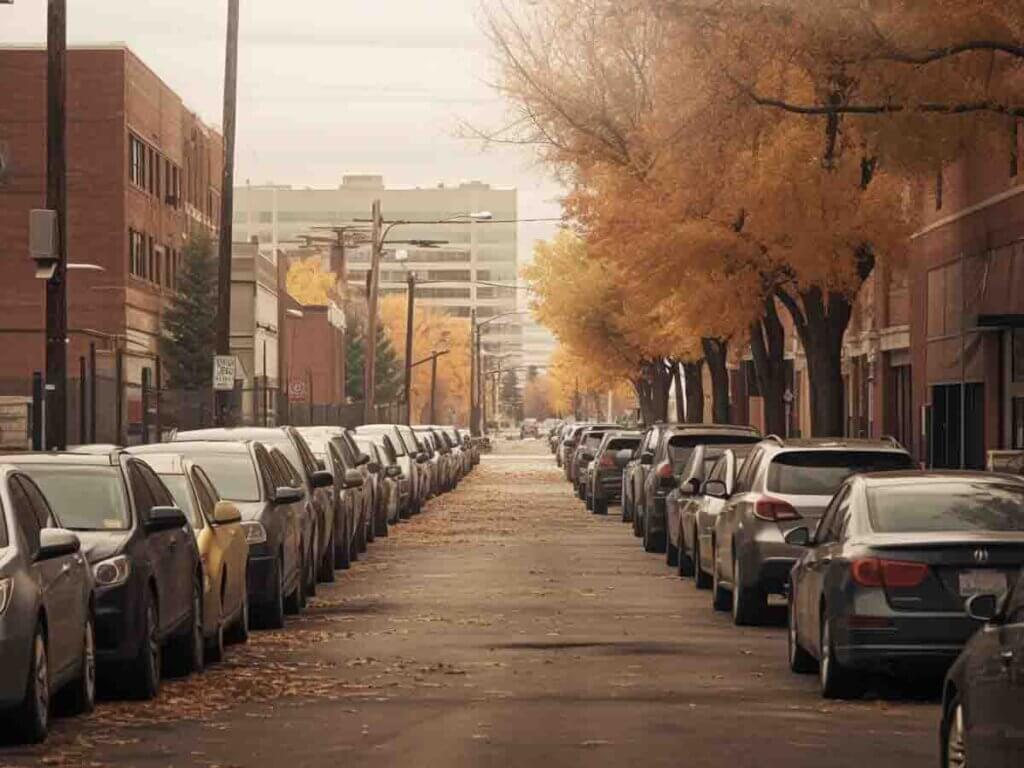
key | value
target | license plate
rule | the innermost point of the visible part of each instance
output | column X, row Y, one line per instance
column 978, row 582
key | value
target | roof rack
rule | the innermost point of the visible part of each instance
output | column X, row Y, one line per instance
column 892, row 441
column 776, row 439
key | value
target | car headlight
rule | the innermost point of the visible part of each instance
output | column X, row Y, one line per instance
column 6, row 590
column 112, row 572
column 255, row 533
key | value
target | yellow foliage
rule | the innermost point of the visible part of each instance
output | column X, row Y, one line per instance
column 308, row 284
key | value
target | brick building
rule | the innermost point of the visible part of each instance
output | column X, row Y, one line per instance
column 143, row 171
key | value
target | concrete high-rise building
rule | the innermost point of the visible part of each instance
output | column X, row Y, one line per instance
column 453, row 275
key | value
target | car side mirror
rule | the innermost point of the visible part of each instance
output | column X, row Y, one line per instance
column 623, row 457
column 288, row 495
column 646, row 458
column 353, row 478
column 56, row 542
column 226, row 513
column 983, row 607
column 587, row 456
column 422, row 458
column 799, row 537
column 321, row 479
column 374, row 467
column 165, row 519
column 393, row 471
column 716, row 489
column 363, row 458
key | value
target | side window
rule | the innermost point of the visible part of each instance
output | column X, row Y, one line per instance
column 718, row 471
column 289, row 474
column 161, row 496
column 834, row 518
column 745, row 476
column 1015, row 610
column 389, row 450
column 141, row 493
column 40, row 506
column 204, row 492
column 306, row 455
column 266, row 470
column 24, row 515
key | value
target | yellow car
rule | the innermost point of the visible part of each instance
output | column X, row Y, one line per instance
column 223, row 549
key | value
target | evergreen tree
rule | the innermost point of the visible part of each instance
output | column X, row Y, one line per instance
column 189, row 341
column 511, row 397
column 389, row 372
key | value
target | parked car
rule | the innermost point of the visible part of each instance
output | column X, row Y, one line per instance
column 47, row 629
column 884, row 575
column 698, row 515
column 318, row 522
column 435, row 460
column 682, row 502
column 568, row 448
column 605, row 476
column 408, row 459
column 415, row 449
column 272, row 507
column 588, row 441
column 223, row 549
column 982, row 717
column 784, row 484
column 667, row 456
column 529, row 428
column 384, row 474
column 144, row 559
column 634, row 476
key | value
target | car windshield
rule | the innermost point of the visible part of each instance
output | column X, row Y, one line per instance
column 178, row 486
column 935, row 507
column 233, row 475
column 681, row 446
column 84, row 498
column 820, row 473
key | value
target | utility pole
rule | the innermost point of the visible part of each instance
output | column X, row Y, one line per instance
column 227, row 205
column 55, row 390
column 411, row 288
column 433, row 388
column 373, row 284
column 474, row 425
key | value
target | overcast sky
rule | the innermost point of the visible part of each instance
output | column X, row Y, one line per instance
column 325, row 86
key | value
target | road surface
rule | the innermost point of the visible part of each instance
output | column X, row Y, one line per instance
column 505, row 626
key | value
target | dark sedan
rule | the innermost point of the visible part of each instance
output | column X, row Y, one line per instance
column 144, row 559
column 606, row 473
column 982, row 716
column 883, row 582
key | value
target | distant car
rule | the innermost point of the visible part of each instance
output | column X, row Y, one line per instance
column 223, row 549
column 47, row 630
column 666, row 457
column 883, row 577
column 568, row 448
column 272, row 505
column 144, row 559
column 605, row 480
column 529, row 428
column 408, row 457
column 634, row 476
column 982, row 716
column 384, row 474
column 785, row 484
column 589, row 438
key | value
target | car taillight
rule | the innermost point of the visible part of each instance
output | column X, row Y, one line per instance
column 607, row 462
column 874, row 572
column 664, row 470
column 775, row 510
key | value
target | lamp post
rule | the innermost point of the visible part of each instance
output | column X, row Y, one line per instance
column 480, row 421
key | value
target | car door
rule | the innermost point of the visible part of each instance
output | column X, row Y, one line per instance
column 182, row 543
column 286, row 516
column 811, row 571
column 728, row 519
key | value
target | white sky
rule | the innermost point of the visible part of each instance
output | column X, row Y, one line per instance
column 325, row 86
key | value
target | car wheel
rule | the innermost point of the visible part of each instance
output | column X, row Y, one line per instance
column 954, row 741
column 362, row 535
column 294, row 602
column 371, row 522
column 79, row 697
column 627, row 509
column 600, row 506
column 588, row 502
column 836, row 682
column 381, row 524
column 343, row 550
column 638, row 520
column 653, row 543
column 325, row 572
column 800, row 661
column 271, row 616
column 186, row 652
column 684, row 560
column 700, row 577
column 214, row 651
column 32, row 719
column 148, row 663
column 238, row 633
column 672, row 558
column 311, row 567
column 748, row 603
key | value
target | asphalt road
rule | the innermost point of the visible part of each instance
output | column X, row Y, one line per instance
column 503, row 627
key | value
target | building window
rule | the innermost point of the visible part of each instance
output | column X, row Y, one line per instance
column 136, row 161
column 136, row 253
column 938, row 189
column 1014, row 148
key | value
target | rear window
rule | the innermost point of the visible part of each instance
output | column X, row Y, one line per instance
column 621, row 443
column 820, row 473
column 84, row 498
column 681, row 446
column 944, row 506
column 233, row 475
column 178, row 486
column 593, row 439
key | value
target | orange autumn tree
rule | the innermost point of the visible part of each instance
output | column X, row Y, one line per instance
column 308, row 283
column 433, row 330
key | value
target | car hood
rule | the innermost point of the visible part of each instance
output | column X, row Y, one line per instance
column 99, row 545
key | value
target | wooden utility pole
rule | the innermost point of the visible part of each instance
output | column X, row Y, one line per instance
column 433, row 388
column 56, row 380
column 223, row 398
column 474, row 427
column 409, row 322
column 372, row 286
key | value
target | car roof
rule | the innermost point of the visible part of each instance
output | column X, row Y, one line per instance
column 713, row 429
column 836, row 443
column 166, row 463
column 63, row 458
column 930, row 476
column 231, row 433
column 192, row 446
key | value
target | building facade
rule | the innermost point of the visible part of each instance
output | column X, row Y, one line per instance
column 143, row 172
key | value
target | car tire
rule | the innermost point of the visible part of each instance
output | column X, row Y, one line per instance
column 343, row 550
column 371, row 522
column 271, row 615
column 748, row 603
column 238, row 632
column 32, row 718
column 954, row 743
column 185, row 652
column 701, row 578
column 147, row 666
column 836, row 681
column 638, row 521
column 214, row 650
column 311, row 567
column 362, row 536
column 627, row 509
column 79, row 697
column 684, row 560
column 296, row 601
column 588, row 502
column 654, row 543
column 672, row 555
column 381, row 524
column 600, row 506
column 721, row 598
column 325, row 572
column 800, row 661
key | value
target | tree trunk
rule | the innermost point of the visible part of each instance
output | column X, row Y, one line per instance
column 643, row 396
column 715, row 353
column 694, row 391
column 677, row 383
column 767, row 345
column 661, row 383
